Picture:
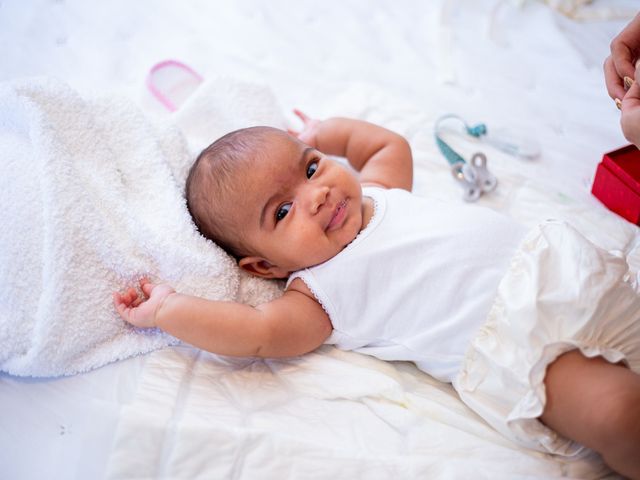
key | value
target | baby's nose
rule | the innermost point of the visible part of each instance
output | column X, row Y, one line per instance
column 318, row 197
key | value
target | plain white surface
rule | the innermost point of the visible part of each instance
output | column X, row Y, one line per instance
column 63, row 428
column 179, row 413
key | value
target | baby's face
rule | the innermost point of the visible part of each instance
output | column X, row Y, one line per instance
column 299, row 208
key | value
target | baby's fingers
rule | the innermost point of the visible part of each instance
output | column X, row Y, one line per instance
column 122, row 306
column 131, row 298
column 302, row 116
column 146, row 286
column 117, row 299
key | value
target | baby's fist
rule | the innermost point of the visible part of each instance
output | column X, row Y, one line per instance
column 142, row 311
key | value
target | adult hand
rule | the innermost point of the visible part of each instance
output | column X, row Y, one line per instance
column 630, row 119
column 625, row 51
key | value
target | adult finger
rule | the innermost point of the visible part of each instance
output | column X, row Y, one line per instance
column 623, row 56
column 630, row 118
column 632, row 97
column 614, row 83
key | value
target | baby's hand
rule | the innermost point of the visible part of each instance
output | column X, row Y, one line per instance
column 309, row 130
column 139, row 311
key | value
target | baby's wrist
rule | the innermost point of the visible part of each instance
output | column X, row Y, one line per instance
column 310, row 138
column 164, row 310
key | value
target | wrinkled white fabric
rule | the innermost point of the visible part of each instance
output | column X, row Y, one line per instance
column 561, row 293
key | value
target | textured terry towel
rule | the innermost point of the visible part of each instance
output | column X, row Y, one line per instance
column 92, row 200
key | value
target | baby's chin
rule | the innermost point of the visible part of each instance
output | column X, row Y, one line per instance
column 324, row 258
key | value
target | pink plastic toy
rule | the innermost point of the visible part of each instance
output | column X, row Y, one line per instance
column 171, row 82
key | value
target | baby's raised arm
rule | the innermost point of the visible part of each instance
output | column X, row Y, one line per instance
column 291, row 325
column 381, row 156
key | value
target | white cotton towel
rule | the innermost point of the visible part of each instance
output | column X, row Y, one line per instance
column 92, row 199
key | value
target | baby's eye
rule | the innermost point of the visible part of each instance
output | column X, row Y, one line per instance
column 282, row 211
column 311, row 169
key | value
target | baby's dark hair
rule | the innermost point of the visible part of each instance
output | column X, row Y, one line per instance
column 214, row 177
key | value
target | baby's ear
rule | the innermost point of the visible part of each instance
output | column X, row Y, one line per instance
column 261, row 268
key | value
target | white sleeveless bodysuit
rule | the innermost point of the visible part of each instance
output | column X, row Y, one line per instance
column 417, row 282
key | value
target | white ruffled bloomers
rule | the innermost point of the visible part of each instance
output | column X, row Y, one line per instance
column 560, row 293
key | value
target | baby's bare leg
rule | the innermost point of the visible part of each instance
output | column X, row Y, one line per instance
column 597, row 404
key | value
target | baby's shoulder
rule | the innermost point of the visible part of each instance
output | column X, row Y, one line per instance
column 298, row 285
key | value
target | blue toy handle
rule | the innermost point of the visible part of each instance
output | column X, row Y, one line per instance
column 473, row 177
column 451, row 155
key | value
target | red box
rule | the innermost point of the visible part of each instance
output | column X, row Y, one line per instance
column 617, row 182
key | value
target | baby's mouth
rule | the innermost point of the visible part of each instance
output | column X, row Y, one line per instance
column 339, row 215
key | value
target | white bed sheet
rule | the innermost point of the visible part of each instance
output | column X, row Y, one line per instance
column 179, row 413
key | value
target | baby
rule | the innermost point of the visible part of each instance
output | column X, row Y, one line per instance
column 465, row 293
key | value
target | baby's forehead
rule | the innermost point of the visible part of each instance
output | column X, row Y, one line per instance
column 278, row 155
column 273, row 170
column 272, row 162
